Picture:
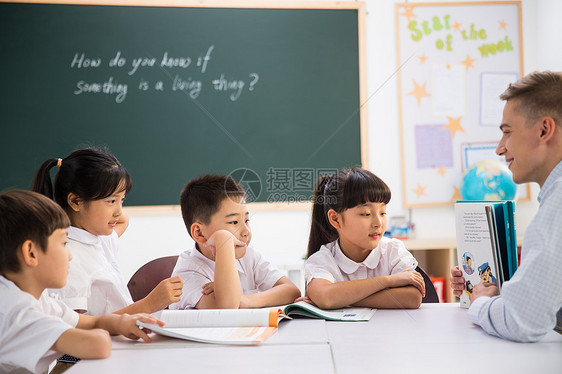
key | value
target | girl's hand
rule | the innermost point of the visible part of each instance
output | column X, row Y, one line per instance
column 408, row 278
column 127, row 326
column 306, row 299
column 208, row 288
column 165, row 293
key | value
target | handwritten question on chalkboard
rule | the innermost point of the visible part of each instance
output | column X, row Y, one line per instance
column 182, row 74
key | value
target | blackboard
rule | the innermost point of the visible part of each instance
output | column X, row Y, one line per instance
column 271, row 95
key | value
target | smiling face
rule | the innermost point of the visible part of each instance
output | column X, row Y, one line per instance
column 360, row 229
column 520, row 144
column 52, row 269
column 232, row 216
column 99, row 217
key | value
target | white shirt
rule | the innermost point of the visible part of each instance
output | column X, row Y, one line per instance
column 330, row 263
column 526, row 309
column 94, row 283
column 255, row 272
column 29, row 328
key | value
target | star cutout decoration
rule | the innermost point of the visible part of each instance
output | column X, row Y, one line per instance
column 468, row 62
column 419, row 91
column 457, row 26
column 457, row 194
column 441, row 171
column 502, row 25
column 454, row 125
column 423, row 58
column 409, row 12
column 420, row 190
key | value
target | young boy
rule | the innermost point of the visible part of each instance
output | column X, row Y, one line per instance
column 223, row 271
column 34, row 328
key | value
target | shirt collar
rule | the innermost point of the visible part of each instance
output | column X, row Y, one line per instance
column 554, row 175
column 349, row 266
column 82, row 236
column 211, row 263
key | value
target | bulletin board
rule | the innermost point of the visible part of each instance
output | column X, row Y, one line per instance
column 454, row 60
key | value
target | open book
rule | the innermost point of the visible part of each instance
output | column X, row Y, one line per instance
column 486, row 243
column 219, row 326
column 304, row 309
column 243, row 326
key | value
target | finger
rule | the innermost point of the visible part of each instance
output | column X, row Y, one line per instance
column 140, row 333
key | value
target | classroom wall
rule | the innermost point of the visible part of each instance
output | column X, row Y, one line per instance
column 283, row 235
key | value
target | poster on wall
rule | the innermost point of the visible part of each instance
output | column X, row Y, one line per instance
column 454, row 60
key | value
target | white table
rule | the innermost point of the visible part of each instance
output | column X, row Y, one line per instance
column 437, row 338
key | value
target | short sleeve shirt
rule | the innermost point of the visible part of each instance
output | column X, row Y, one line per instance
column 29, row 328
column 255, row 272
column 94, row 282
column 330, row 263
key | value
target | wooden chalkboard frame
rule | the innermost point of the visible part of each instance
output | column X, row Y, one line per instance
column 362, row 110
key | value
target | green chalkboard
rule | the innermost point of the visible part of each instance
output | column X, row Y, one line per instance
column 271, row 96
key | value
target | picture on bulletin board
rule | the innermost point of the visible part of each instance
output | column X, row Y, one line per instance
column 454, row 59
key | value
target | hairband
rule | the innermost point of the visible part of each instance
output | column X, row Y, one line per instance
column 59, row 162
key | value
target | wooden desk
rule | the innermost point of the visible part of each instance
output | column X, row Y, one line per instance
column 437, row 338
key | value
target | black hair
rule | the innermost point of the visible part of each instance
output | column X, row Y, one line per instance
column 343, row 190
column 26, row 215
column 90, row 173
column 201, row 197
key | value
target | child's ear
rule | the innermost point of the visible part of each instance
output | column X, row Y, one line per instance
column 334, row 218
column 29, row 253
column 196, row 230
column 74, row 201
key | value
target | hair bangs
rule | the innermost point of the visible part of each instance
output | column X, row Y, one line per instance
column 111, row 180
column 364, row 187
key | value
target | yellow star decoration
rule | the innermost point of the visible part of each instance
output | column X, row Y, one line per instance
column 441, row 171
column 468, row 62
column 454, row 125
column 456, row 195
column 423, row 58
column 502, row 25
column 409, row 12
column 419, row 91
column 457, row 26
column 420, row 190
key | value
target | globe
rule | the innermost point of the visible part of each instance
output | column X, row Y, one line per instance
column 488, row 180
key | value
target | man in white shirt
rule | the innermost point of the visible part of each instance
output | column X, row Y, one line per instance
column 530, row 303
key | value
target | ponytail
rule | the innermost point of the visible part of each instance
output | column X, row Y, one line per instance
column 343, row 190
column 321, row 230
column 42, row 180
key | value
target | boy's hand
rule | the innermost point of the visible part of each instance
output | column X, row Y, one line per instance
column 220, row 238
column 208, row 288
column 127, row 326
column 165, row 293
column 483, row 289
column 306, row 299
column 457, row 281
column 409, row 278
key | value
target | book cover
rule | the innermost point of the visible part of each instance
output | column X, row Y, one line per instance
column 485, row 243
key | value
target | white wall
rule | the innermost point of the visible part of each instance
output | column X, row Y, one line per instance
column 283, row 235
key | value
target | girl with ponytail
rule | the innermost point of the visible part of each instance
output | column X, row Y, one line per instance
column 90, row 185
column 349, row 261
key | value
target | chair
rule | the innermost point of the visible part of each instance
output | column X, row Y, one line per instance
column 149, row 275
column 430, row 292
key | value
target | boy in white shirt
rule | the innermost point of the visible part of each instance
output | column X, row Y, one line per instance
column 34, row 328
column 222, row 271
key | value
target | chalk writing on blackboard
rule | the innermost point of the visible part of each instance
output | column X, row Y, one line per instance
column 184, row 73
